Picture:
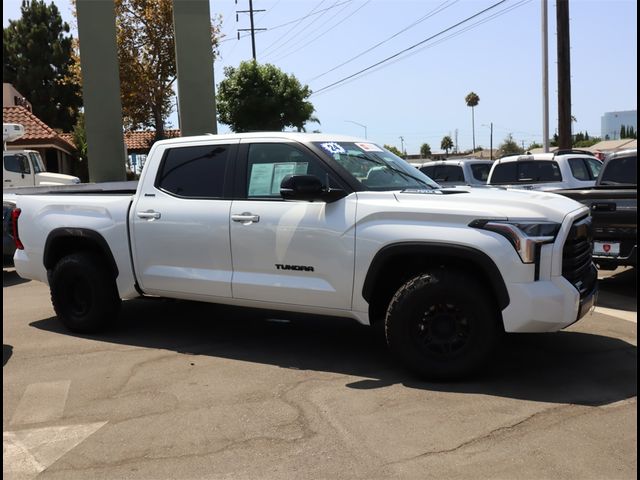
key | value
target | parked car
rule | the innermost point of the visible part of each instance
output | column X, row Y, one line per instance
column 613, row 203
column 8, row 245
column 461, row 171
column 546, row 171
column 315, row 223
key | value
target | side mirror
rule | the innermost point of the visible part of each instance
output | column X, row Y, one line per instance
column 309, row 188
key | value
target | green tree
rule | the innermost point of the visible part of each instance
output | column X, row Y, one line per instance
column 80, row 167
column 509, row 147
column 394, row 150
column 446, row 144
column 146, row 52
column 37, row 59
column 472, row 100
column 425, row 150
column 623, row 131
column 262, row 97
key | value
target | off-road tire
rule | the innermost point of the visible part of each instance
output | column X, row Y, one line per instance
column 84, row 293
column 442, row 324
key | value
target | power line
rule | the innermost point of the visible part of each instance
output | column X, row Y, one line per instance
column 327, row 30
column 430, row 14
column 344, row 79
column 297, row 24
column 295, row 20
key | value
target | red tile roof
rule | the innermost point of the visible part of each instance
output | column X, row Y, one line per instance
column 36, row 132
column 142, row 140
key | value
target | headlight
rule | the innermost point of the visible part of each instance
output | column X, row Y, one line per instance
column 526, row 237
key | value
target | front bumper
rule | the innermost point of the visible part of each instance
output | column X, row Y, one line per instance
column 545, row 306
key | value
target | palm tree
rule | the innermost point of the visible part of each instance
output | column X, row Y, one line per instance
column 472, row 100
column 446, row 144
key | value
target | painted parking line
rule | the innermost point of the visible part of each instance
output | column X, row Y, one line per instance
column 621, row 314
column 42, row 402
column 27, row 453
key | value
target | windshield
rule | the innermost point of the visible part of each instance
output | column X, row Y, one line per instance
column 38, row 166
column 376, row 168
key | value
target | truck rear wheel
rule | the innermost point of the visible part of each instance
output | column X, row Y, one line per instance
column 442, row 324
column 84, row 292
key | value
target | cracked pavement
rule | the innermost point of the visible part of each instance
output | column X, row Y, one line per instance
column 180, row 390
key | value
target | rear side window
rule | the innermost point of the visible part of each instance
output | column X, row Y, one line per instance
column 194, row 172
column 526, row 172
column 594, row 167
column 579, row 169
column 622, row 170
column 480, row 171
column 16, row 163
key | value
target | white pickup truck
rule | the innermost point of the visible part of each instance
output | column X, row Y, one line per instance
column 314, row 223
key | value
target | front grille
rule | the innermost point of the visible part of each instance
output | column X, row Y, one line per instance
column 577, row 264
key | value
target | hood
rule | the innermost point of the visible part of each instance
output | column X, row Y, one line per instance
column 492, row 203
column 49, row 178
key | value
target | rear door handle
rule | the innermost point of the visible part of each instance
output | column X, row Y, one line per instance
column 246, row 218
column 149, row 215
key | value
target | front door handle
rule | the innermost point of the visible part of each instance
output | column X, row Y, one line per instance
column 149, row 215
column 246, row 218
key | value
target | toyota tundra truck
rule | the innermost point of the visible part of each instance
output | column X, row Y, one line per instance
column 320, row 224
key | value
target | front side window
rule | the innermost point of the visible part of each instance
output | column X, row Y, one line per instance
column 594, row 167
column 269, row 163
column 17, row 163
column 194, row 172
column 374, row 167
column 36, row 159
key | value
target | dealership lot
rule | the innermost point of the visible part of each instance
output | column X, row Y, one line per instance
column 181, row 390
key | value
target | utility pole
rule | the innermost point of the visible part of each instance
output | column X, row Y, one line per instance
column 545, row 78
column 491, row 142
column 404, row 154
column 456, row 135
column 564, row 75
column 252, row 29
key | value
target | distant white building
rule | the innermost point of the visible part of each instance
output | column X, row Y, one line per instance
column 612, row 121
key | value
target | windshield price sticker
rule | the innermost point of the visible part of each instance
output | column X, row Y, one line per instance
column 369, row 147
column 333, row 147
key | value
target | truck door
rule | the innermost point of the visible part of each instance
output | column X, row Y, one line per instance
column 291, row 252
column 16, row 170
column 180, row 222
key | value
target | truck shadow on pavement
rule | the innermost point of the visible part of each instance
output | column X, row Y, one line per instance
column 564, row 367
column 619, row 291
column 11, row 278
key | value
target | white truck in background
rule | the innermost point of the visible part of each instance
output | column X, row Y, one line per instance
column 25, row 168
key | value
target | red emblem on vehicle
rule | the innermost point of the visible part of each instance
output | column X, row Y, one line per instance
column 606, row 247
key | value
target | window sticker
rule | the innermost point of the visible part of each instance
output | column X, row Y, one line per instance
column 333, row 147
column 369, row 147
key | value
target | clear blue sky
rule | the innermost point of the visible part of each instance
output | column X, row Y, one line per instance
column 420, row 95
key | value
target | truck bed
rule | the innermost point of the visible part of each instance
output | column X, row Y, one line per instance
column 103, row 188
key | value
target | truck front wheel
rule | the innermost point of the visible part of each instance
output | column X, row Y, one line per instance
column 84, row 292
column 442, row 324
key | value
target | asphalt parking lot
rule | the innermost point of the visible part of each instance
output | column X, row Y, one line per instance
column 181, row 390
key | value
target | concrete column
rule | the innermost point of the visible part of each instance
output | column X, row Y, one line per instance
column 101, row 90
column 194, row 63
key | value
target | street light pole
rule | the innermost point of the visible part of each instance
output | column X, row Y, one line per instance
column 404, row 154
column 361, row 125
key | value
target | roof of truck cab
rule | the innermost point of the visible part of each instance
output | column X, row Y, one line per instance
column 300, row 137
